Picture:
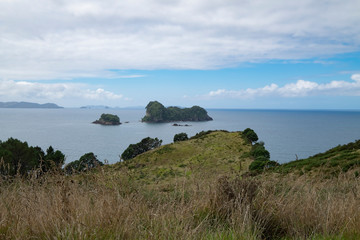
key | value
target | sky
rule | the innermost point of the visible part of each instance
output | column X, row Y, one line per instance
column 248, row 54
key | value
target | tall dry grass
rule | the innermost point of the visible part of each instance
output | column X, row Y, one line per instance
column 109, row 206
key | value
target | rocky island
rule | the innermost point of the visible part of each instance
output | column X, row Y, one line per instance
column 157, row 113
column 108, row 119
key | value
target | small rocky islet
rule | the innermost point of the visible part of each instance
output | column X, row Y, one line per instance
column 108, row 119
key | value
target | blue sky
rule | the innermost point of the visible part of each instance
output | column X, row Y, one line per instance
column 216, row 54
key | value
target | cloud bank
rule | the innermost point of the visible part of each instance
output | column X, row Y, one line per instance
column 301, row 88
column 48, row 39
column 23, row 90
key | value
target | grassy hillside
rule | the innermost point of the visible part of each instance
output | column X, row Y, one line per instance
column 205, row 157
column 341, row 159
column 193, row 189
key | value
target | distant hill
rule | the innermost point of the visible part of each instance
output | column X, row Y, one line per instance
column 157, row 113
column 27, row 105
column 95, row 107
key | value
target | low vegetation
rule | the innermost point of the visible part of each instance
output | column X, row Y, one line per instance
column 144, row 145
column 86, row 162
column 180, row 137
column 341, row 159
column 199, row 188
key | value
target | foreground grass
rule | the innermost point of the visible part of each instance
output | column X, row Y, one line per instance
column 95, row 206
column 190, row 190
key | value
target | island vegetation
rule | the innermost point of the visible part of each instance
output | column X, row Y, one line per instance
column 203, row 187
column 108, row 119
column 157, row 113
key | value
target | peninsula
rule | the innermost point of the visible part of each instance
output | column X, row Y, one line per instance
column 157, row 113
column 27, row 105
column 108, row 119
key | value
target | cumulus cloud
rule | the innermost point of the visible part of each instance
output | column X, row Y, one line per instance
column 23, row 90
column 65, row 39
column 301, row 88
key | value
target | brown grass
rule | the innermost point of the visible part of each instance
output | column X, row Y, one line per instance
column 105, row 206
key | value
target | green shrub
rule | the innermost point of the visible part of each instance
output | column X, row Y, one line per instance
column 258, row 150
column 180, row 137
column 250, row 135
column 86, row 162
column 257, row 166
column 144, row 145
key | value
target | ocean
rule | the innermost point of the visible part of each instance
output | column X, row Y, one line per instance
column 288, row 134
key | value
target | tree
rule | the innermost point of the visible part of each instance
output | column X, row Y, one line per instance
column 144, row 145
column 260, row 152
column 18, row 158
column 261, row 158
column 180, row 137
column 86, row 162
column 53, row 159
column 250, row 135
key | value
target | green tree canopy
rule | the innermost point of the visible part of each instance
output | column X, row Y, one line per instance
column 180, row 137
column 53, row 159
column 86, row 162
column 18, row 157
column 144, row 145
column 250, row 135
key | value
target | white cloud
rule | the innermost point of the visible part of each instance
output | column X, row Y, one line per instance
column 101, row 94
column 300, row 88
column 23, row 91
column 65, row 39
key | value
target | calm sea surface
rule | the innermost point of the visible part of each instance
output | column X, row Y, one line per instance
column 285, row 133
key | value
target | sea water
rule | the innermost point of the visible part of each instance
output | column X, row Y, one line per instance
column 288, row 134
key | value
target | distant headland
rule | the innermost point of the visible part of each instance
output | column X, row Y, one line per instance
column 95, row 107
column 157, row 113
column 27, row 105
column 108, row 119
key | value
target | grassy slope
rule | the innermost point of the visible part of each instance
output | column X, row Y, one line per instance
column 208, row 157
column 341, row 159
column 189, row 190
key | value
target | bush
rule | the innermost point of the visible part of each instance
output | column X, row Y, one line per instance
column 260, row 152
column 261, row 158
column 257, row 165
column 86, row 162
column 250, row 135
column 180, row 137
column 144, row 145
